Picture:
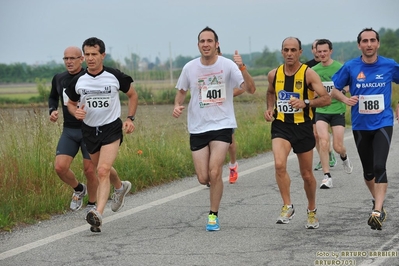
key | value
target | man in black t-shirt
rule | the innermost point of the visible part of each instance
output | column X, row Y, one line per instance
column 71, row 139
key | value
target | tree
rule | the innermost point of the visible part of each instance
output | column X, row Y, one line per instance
column 267, row 59
column 389, row 44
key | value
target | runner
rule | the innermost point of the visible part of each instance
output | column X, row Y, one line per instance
column 370, row 78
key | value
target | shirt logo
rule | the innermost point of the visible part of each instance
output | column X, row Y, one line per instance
column 361, row 76
column 298, row 84
column 379, row 76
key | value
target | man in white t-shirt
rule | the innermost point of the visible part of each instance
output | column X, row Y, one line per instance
column 211, row 80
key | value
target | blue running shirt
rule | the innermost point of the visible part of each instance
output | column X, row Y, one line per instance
column 373, row 84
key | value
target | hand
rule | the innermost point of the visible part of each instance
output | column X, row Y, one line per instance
column 128, row 126
column 178, row 110
column 269, row 115
column 80, row 113
column 54, row 116
column 297, row 103
column 352, row 100
column 237, row 59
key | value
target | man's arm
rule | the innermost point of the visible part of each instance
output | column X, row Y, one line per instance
column 133, row 98
column 248, row 84
column 314, row 82
column 53, row 101
column 133, row 101
column 179, row 100
column 338, row 95
column 270, row 96
column 238, row 91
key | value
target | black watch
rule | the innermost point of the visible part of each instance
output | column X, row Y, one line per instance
column 131, row 117
column 307, row 102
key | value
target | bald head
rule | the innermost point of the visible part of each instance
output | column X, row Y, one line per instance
column 73, row 50
column 291, row 40
column 73, row 59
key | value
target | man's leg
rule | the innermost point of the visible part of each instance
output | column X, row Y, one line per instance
column 62, row 168
column 324, row 144
column 305, row 165
column 92, row 180
column 338, row 143
column 281, row 149
column 104, row 160
column 233, row 161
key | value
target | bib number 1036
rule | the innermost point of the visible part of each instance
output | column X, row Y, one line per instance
column 371, row 104
column 98, row 102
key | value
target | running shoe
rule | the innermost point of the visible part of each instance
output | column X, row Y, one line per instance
column 333, row 161
column 94, row 218
column 375, row 220
column 287, row 212
column 313, row 222
column 94, row 229
column 318, row 166
column 383, row 211
column 348, row 167
column 89, row 207
column 213, row 223
column 118, row 198
column 233, row 174
column 77, row 199
column 326, row 183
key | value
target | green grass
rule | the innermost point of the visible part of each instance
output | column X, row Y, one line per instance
column 157, row 152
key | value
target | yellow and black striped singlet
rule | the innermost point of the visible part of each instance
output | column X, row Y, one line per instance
column 292, row 86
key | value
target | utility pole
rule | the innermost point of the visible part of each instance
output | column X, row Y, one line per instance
column 170, row 64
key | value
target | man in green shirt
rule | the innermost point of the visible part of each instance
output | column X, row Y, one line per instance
column 332, row 115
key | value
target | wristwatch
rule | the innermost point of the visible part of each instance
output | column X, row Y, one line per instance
column 307, row 102
column 131, row 117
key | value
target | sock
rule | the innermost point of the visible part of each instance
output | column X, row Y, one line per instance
column 91, row 203
column 79, row 187
column 328, row 174
column 214, row 213
column 119, row 189
column 344, row 158
column 232, row 165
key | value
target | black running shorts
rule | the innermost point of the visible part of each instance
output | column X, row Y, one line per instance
column 95, row 137
column 332, row 119
column 299, row 135
column 201, row 140
column 70, row 141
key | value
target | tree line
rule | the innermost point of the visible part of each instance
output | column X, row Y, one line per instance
column 142, row 68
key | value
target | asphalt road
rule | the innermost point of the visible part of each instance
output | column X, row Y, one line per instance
column 166, row 225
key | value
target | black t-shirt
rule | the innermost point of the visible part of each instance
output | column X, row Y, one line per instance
column 311, row 63
column 58, row 86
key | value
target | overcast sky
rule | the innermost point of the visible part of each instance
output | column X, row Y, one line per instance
column 38, row 31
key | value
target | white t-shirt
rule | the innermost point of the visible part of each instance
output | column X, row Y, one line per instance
column 100, row 95
column 211, row 87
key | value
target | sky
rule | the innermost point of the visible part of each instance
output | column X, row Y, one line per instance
column 38, row 31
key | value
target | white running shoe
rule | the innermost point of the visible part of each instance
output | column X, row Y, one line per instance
column 348, row 167
column 326, row 183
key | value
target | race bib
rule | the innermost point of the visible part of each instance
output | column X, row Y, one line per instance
column 371, row 104
column 215, row 93
column 65, row 97
column 96, row 102
column 283, row 105
column 328, row 85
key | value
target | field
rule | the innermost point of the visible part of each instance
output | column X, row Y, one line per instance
column 156, row 153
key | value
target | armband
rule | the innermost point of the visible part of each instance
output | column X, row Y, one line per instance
column 243, row 67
